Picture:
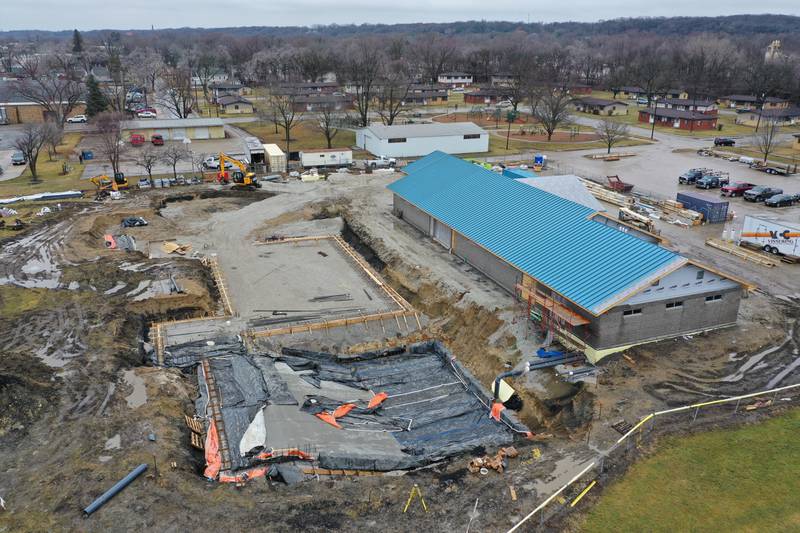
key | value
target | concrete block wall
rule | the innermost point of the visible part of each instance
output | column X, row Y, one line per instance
column 657, row 321
column 492, row 267
column 412, row 215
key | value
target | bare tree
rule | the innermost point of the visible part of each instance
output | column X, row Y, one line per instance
column 54, row 134
column 146, row 65
column 176, row 91
column 172, row 155
column 552, row 110
column 611, row 132
column 147, row 159
column 434, row 53
column 394, row 87
column 767, row 138
column 30, row 143
column 286, row 115
column 109, row 128
column 58, row 97
column 205, row 64
column 361, row 70
column 328, row 121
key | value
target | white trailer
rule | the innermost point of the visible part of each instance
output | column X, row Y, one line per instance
column 276, row 159
column 771, row 235
column 332, row 157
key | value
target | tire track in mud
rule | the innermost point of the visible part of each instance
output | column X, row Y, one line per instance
column 768, row 367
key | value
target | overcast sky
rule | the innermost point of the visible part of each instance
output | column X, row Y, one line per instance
column 116, row 14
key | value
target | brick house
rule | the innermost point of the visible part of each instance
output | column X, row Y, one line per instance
column 748, row 101
column 14, row 109
column 486, row 96
column 335, row 102
column 684, row 104
column 455, row 79
column 783, row 116
column 600, row 106
column 678, row 119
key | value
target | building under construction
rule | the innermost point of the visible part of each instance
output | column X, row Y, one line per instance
column 597, row 285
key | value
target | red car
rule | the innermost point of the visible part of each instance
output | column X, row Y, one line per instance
column 137, row 139
column 736, row 189
column 157, row 140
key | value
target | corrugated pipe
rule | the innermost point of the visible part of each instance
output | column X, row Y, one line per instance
column 116, row 489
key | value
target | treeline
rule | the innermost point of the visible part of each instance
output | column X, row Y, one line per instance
column 734, row 25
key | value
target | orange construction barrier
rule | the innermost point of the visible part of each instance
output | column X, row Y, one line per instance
column 343, row 410
column 497, row 408
column 377, row 400
column 325, row 416
column 213, row 459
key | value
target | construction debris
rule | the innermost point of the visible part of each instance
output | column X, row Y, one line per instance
column 496, row 462
column 171, row 247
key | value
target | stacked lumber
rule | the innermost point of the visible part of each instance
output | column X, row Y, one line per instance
column 605, row 195
column 742, row 253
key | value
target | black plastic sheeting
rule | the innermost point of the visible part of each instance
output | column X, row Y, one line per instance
column 245, row 385
column 435, row 407
column 190, row 353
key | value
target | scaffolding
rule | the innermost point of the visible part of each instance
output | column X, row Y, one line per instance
column 551, row 314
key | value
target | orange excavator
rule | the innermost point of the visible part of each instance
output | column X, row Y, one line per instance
column 241, row 178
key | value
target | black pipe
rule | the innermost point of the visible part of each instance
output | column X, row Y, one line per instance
column 511, row 373
column 116, row 489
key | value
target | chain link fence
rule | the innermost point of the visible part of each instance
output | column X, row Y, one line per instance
column 613, row 462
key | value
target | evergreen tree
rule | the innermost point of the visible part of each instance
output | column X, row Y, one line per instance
column 77, row 42
column 95, row 99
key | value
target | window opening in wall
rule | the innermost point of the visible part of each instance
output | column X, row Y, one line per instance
column 715, row 298
column 674, row 305
column 398, row 140
column 472, row 136
column 700, row 274
column 632, row 312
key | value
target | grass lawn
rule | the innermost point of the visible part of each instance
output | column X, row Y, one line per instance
column 497, row 146
column 50, row 173
column 783, row 153
column 305, row 136
column 742, row 479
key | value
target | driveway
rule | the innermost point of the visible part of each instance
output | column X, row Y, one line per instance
column 9, row 171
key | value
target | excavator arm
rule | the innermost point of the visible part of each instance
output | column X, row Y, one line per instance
column 244, row 179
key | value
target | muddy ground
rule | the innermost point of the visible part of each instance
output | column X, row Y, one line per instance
column 78, row 402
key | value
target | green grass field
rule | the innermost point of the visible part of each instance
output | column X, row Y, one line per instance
column 50, row 173
column 304, row 136
column 743, row 479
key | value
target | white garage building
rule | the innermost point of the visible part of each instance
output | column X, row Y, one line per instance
column 413, row 140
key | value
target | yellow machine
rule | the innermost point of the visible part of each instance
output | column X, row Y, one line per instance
column 241, row 178
column 105, row 184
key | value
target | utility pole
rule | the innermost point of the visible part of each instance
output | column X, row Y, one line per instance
column 654, row 116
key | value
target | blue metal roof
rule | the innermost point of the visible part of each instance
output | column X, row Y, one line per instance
column 550, row 238
column 518, row 173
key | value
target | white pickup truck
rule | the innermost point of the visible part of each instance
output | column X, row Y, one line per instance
column 381, row 162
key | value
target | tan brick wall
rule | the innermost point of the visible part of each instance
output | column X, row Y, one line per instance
column 33, row 114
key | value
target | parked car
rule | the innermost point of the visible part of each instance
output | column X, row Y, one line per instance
column 157, row 140
column 781, row 200
column 181, row 180
column 146, row 114
column 711, row 182
column 642, row 101
column 504, row 104
column 212, row 162
column 78, row 119
column 724, row 141
column 18, row 158
column 736, row 189
column 690, row 176
column 761, row 193
column 137, row 139
column 144, row 183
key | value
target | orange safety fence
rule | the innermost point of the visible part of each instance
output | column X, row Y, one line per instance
column 213, row 458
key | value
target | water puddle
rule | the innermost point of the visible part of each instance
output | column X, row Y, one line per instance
column 138, row 397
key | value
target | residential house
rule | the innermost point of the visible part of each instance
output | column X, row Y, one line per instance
column 217, row 77
column 632, row 92
column 426, row 94
column 234, row 105
column 682, row 104
column 334, row 102
column 455, row 79
column 748, row 101
column 676, row 93
column 783, row 116
column 600, row 106
column 306, row 87
column 678, row 119
column 218, row 90
column 414, row 140
column 501, row 80
column 579, row 88
column 796, row 142
column 486, row 96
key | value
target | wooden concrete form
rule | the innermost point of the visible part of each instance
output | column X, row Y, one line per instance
column 216, row 414
column 219, row 281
